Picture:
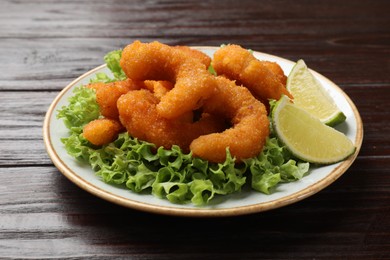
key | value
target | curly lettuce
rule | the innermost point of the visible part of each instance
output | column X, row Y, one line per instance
column 169, row 174
column 273, row 165
column 82, row 108
column 112, row 59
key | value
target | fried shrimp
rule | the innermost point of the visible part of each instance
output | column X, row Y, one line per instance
column 108, row 94
column 138, row 113
column 102, row 131
column 170, row 98
column 250, row 124
column 264, row 79
column 156, row 61
column 276, row 70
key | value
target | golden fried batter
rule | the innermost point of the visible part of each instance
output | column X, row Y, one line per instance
column 276, row 70
column 198, row 55
column 263, row 79
column 96, row 85
column 158, row 88
column 102, row 131
column 138, row 113
column 108, row 94
column 250, row 124
column 156, row 61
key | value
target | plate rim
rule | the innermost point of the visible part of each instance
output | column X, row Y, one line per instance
column 176, row 210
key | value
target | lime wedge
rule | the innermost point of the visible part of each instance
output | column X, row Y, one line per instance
column 310, row 95
column 307, row 137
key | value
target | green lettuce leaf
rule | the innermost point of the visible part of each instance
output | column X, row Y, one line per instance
column 82, row 109
column 273, row 165
column 112, row 60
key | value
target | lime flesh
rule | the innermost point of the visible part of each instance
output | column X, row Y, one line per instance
column 310, row 95
column 307, row 137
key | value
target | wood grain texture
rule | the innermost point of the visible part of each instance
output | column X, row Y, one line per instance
column 45, row 44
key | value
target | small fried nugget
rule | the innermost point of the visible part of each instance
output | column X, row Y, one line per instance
column 138, row 113
column 261, row 78
column 102, row 131
column 96, row 85
column 107, row 96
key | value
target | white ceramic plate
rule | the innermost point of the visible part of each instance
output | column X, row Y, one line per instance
column 244, row 202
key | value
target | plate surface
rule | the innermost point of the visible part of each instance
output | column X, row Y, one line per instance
column 245, row 202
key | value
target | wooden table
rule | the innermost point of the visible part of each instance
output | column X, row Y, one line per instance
column 44, row 45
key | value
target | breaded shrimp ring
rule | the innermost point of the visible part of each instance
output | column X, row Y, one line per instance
column 102, row 131
column 250, row 124
column 159, row 89
column 237, row 63
column 138, row 113
column 107, row 96
column 156, row 61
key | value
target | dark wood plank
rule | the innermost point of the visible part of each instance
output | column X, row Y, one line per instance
column 50, row 64
column 45, row 44
column 375, row 119
column 54, row 214
column 53, row 44
column 170, row 19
